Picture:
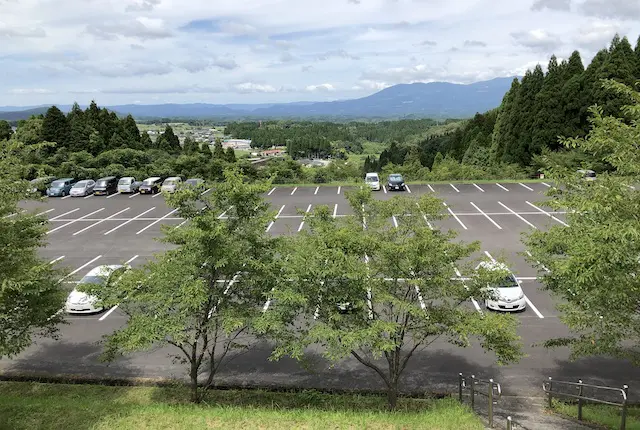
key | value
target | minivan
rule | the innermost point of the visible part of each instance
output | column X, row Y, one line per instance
column 128, row 184
column 61, row 187
column 105, row 186
column 373, row 180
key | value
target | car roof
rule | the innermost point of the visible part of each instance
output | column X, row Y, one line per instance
column 372, row 174
column 65, row 179
column 494, row 265
column 173, row 177
column 84, row 180
column 106, row 177
column 153, row 177
column 395, row 174
column 104, row 270
column 195, row 179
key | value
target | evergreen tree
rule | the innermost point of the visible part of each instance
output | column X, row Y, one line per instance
column 117, row 141
column 218, row 150
column 620, row 65
column 571, row 97
column 145, row 141
column 168, row 141
column 190, row 146
column 205, row 149
column 92, row 115
column 5, row 130
column 503, row 130
column 589, row 82
column 549, row 120
column 96, row 143
column 55, row 127
column 637, row 51
column 79, row 136
column 230, row 155
column 130, row 132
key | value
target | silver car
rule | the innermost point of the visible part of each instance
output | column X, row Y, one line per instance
column 171, row 184
column 128, row 184
column 83, row 188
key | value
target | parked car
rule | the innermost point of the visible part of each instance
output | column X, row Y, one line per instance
column 373, row 180
column 105, row 186
column 396, row 182
column 61, row 187
column 40, row 185
column 83, row 188
column 79, row 302
column 151, row 185
column 507, row 294
column 194, row 182
column 128, row 184
column 587, row 175
column 170, row 185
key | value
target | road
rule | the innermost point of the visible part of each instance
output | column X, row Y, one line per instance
column 86, row 232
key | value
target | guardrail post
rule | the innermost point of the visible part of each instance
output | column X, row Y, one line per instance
column 473, row 391
column 550, row 387
column 580, row 400
column 460, row 386
column 623, row 414
column 490, row 396
column 508, row 423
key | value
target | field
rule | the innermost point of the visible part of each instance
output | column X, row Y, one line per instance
column 605, row 415
column 59, row 406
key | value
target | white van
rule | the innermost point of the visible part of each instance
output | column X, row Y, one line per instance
column 373, row 180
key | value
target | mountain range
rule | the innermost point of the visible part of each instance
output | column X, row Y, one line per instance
column 417, row 100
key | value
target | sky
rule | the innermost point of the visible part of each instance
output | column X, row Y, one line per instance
column 267, row 51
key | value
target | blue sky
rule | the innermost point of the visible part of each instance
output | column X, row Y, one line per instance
column 262, row 51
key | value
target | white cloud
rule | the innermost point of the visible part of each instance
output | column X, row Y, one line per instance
column 18, row 91
column 276, row 51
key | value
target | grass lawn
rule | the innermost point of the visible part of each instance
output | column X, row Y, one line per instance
column 605, row 415
column 26, row 405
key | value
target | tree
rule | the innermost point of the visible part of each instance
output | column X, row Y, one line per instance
column 168, row 141
column 5, row 130
column 218, row 150
column 130, row 132
column 549, row 121
column 503, row 131
column 201, row 298
column 31, row 295
column 357, row 287
column 55, row 127
column 145, row 141
column 190, row 146
column 599, row 285
column 230, row 155
column 205, row 149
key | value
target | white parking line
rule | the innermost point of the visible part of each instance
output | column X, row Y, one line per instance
column 45, row 212
column 455, row 216
column 86, row 197
column 454, row 187
column 431, row 188
column 546, row 185
column 475, row 303
column 223, row 213
column 294, row 190
column 99, row 222
column 80, row 268
column 66, row 197
column 339, row 188
column 528, row 188
column 316, row 191
column 156, row 195
column 395, row 221
column 526, row 299
column 504, row 188
column 158, row 220
column 302, row 222
column 271, row 192
column 407, row 187
column 516, row 214
column 276, row 217
column 74, row 221
column 335, row 210
column 127, row 222
column 205, row 191
column 113, row 195
column 541, row 265
column 384, row 189
column 56, row 260
column 66, row 213
column 133, row 195
column 486, row 216
column 547, row 213
column 478, row 187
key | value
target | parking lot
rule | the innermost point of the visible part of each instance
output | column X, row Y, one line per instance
column 92, row 231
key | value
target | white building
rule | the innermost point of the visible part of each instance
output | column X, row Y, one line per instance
column 237, row 143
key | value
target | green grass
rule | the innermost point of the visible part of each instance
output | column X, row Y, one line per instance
column 26, row 405
column 604, row 415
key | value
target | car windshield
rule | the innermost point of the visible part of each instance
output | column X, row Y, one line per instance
column 102, row 183
column 80, row 184
column 57, row 184
column 395, row 178
column 149, row 181
column 590, row 175
column 170, row 182
column 92, row 280
column 192, row 181
column 508, row 282
column 371, row 179
column 125, row 181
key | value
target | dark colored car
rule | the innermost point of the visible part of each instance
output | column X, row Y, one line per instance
column 396, row 182
column 151, row 185
column 105, row 186
column 40, row 185
column 61, row 187
column 194, row 183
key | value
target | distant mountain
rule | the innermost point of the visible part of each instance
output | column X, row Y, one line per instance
column 418, row 100
column 22, row 114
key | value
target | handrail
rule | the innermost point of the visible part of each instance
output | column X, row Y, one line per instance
column 470, row 384
column 547, row 387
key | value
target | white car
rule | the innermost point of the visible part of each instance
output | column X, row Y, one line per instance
column 171, row 184
column 373, row 180
column 507, row 295
column 82, row 303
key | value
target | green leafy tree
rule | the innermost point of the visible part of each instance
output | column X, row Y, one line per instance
column 357, row 287
column 201, row 298
column 549, row 120
column 218, row 150
column 31, row 296
column 55, row 127
column 205, row 149
column 620, row 65
column 230, row 155
column 190, row 146
column 503, row 132
column 5, row 130
column 29, row 131
column 168, row 141
column 145, row 141
column 130, row 132
column 599, row 285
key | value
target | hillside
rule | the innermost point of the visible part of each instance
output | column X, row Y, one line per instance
column 417, row 100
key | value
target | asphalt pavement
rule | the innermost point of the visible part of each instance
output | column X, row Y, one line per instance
column 92, row 231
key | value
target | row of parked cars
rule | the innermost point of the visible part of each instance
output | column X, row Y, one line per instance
column 61, row 187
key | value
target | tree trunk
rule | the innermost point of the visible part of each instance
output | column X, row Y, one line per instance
column 195, row 393
column 392, row 395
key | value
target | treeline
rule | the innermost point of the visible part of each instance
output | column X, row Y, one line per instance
column 534, row 113
column 321, row 139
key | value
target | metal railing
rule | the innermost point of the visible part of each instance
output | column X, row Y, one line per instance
column 547, row 387
column 470, row 384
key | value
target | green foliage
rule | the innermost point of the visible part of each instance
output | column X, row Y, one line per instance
column 5, row 130
column 594, row 262
column 394, row 285
column 201, row 297
column 30, row 292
